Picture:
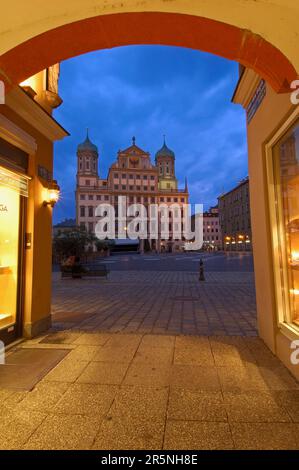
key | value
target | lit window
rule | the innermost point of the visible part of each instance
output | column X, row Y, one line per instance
column 286, row 184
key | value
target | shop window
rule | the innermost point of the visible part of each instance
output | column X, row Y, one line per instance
column 9, row 255
column 284, row 167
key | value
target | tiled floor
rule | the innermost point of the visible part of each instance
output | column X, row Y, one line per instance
column 153, row 361
column 134, row 391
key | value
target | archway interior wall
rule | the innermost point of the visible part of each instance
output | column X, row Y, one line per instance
column 275, row 21
column 65, row 32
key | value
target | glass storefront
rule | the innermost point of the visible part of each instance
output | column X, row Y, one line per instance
column 9, row 255
column 13, row 188
column 286, row 193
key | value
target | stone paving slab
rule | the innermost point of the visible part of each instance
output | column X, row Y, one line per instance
column 146, row 404
column 180, row 435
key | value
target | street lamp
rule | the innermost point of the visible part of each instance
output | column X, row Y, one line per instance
column 52, row 194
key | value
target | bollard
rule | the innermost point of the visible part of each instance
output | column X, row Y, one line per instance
column 201, row 271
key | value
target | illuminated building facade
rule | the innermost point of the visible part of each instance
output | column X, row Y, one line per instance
column 234, row 216
column 27, row 195
column 134, row 176
column 212, row 238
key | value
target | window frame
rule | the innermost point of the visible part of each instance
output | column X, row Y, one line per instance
column 277, row 231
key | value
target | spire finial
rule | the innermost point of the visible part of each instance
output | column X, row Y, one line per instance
column 133, row 140
column 186, row 184
column 87, row 133
column 164, row 139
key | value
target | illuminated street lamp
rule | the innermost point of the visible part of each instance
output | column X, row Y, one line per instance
column 52, row 194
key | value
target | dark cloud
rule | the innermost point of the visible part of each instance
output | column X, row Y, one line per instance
column 148, row 91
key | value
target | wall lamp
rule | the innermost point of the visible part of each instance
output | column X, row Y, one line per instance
column 52, row 194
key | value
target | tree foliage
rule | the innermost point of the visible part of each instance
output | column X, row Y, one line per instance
column 72, row 243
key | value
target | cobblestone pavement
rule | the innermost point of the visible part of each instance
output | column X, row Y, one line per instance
column 149, row 360
column 158, row 302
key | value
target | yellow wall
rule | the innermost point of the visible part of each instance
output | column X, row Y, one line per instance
column 38, row 267
column 276, row 20
column 273, row 111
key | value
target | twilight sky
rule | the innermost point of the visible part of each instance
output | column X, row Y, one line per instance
column 148, row 91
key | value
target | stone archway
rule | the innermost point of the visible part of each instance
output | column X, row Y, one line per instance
column 72, row 38
column 35, row 38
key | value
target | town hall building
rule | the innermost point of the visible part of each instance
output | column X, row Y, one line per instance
column 135, row 176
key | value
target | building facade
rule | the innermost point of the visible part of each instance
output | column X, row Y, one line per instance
column 27, row 195
column 234, row 216
column 65, row 226
column 212, row 238
column 134, row 176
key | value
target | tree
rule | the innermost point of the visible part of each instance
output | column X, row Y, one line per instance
column 101, row 245
column 72, row 243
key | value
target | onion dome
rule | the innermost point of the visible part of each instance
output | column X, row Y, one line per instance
column 87, row 145
column 165, row 151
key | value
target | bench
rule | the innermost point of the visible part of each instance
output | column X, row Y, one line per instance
column 77, row 272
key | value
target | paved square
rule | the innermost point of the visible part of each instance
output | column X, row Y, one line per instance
column 154, row 359
column 158, row 302
column 186, row 401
